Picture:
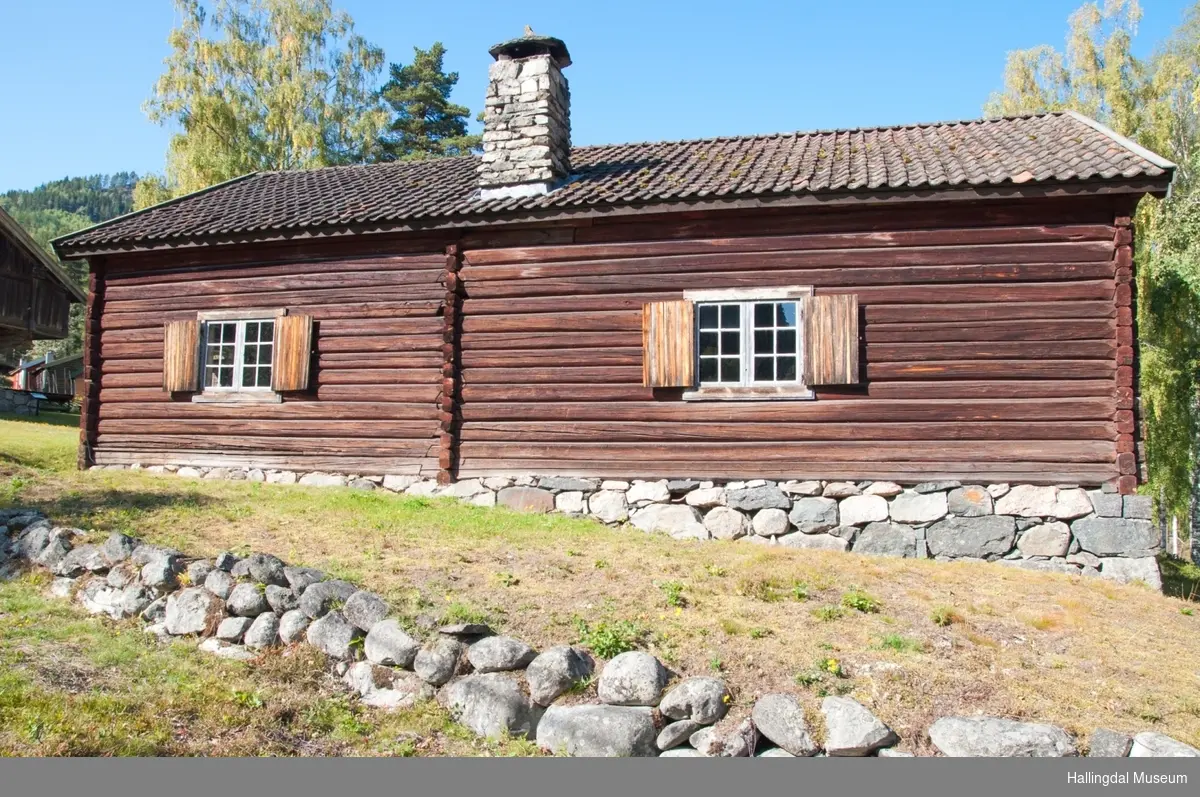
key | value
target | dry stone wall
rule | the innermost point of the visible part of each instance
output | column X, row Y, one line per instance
column 1053, row 529
column 495, row 685
column 17, row 402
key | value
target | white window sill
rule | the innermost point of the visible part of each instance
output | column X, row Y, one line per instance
column 749, row 394
column 236, row 397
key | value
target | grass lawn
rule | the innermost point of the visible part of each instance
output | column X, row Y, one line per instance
column 913, row 640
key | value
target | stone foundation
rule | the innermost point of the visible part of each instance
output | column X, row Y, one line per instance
column 16, row 402
column 1054, row 529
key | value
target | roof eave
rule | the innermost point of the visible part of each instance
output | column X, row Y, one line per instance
column 9, row 225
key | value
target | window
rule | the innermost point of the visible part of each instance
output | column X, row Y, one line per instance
column 749, row 342
column 238, row 354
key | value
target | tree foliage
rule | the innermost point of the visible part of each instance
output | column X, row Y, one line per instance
column 1154, row 102
column 260, row 85
column 425, row 124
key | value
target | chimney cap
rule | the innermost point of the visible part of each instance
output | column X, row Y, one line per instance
column 532, row 44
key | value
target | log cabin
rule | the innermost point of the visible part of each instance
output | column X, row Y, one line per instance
column 932, row 301
column 36, row 294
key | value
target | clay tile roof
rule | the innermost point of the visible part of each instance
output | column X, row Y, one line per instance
column 1054, row 148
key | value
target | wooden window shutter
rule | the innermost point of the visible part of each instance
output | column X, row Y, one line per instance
column 181, row 349
column 831, row 340
column 293, row 352
column 668, row 344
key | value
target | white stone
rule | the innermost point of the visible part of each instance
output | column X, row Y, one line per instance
column 917, row 507
column 1047, row 539
column 840, row 490
column 609, row 506
column 655, row 492
column 1072, row 503
column 1027, row 500
column 398, row 483
column 1157, row 745
column 724, row 523
column 705, row 497
column 318, row 479
column 497, row 482
column 282, row 477
column 821, row 542
column 770, row 522
column 571, row 503
column 465, row 489
column 809, row 488
column 190, row 473
column 885, row 489
column 612, row 484
column 998, row 490
column 425, row 488
column 487, row 498
column 859, row 509
column 1125, row 571
column 679, row 521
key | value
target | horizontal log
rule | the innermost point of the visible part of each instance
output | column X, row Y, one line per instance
column 372, row 466
column 297, row 281
column 379, row 343
column 586, row 391
column 323, row 446
column 408, row 394
column 377, row 376
column 655, row 431
column 378, row 308
column 275, row 427
column 775, row 243
column 287, row 410
column 983, row 369
column 613, row 374
column 552, row 358
column 563, row 323
column 992, row 350
column 993, row 389
column 133, row 365
column 1075, row 329
column 292, row 299
column 981, row 311
column 362, row 327
column 402, row 265
column 508, row 341
column 418, row 360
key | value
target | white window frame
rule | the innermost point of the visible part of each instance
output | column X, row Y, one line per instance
column 240, row 318
column 747, row 389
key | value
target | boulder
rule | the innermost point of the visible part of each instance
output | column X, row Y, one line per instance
column 917, row 507
column 988, row 537
column 161, row 572
column 526, row 499
column 814, row 515
column 1028, row 500
column 193, row 611
column 680, row 752
column 770, row 522
column 1125, row 571
column 232, row 629
column 398, row 483
column 323, row 480
column 808, row 488
column 1106, row 505
column 1046, row 539
column 859, row 509
column 648, row 492
column 118, row 547
column 570, row 503
column 198, row 571
column 84, row 559
column 994, row 737
column 145, row 554
column 333, row 634
column 267, row 569
column 437, row 662
column 841, row 490
column 607, row 484
column 676, row 733
column 705, row 497
column 301, row 578
column 597, row 731
column 819, row 542
column 738, row 743
column 972, row 500
column 292, row 626
column 752, row 499
column 134, row 600
column 123, row 574
column 632, row 678
column 677, row 520
column 466, row 489
column 701, row 699
column 247, row 600
column 385, row 688
column 883, row 489
column 225, row 561
column 724, row 523
column 281, row 599
column 936, row 487
column 466, row 632
column 1138, row 506
column 681, row 487
column 609, row 506
column 63, row 587
column 324, row 596
column 887, row 539
column 780, row 718
column 32, row 539
column 156, row 612
column 492, row 705
column 567, row 484
column 219, row 583
column 263, row 632
column 773, row 752
column 556, row 671
column 365, row 609
column 1105, row 536
column 499, row 653
column 1104, row 743
column 388, row 644
column 99, row 598
column 56, row 549
column 852, row 730
column 1157, row 745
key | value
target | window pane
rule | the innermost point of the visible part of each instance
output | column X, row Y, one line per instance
column 764, row 370
column 764, row 341
column 248, row 377
column 708, row 316
column 731, row 368
column 264, row 355
column 267, row 334
column 251, row 357
column 731, row 316
column 264, row 377
column 226, row 378
column 708, row 369
column 787, row 369
column 708, row 343
column 731, row 342
column 785, row 341
column 762, row 315
column 786, row 314
column 252, row 332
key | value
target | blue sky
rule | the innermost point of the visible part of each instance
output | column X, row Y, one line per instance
column 77, row 71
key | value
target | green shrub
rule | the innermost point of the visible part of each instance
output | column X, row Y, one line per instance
column 901, row 644
column 768, row 590
column 607, row 639
column 861, row 601
column 800, row 590
column 828, row 613
column 673, row 593
column 944, row 616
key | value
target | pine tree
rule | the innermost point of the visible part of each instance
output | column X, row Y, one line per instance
column 426, row 123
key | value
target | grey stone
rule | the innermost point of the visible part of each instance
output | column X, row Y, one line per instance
column 99, row 598
column 219, row 583
column 465, row 631
column 161, row 572
column 383, row 687
column 32, row 539
column 859, row 509
column 972, row 500
column 193, row 611
column 988, row 537
column 724, row 523
column 1084, row 559
column 808, row 488
column 323, row 480
column 1046, row 539
column 281, row 599
column 301, row 578
column 700, row 698
column 917, row 507
column 1115, row 536
column 887, row 539
column 597, row 731
column 773, row 752
column 225, row 561
column 224, row 650
column 818, row 542
column 499, row 653
column 814, row 515
column 437, row 662
column 751, row 499
column 388, row 644
column 247, row 600
column 564, row 484
column 365, row 609
column 883, row 489
column 609, row 506
column 1157, row 745
column 62, row 587
column 1140, row 507
column 737, row 743
column 232, row 629
column 55, row 551
column 134, row 600
column 852, row 730
column 1072, row 503
column 466, row 489
column 1125, row 571
column 397, row 483
column 263, row 632
column 1106, row 504
column 680, row 487
column 198, row 571
column 676, row 733
column 145, row 554
column 123, row 574
column 632, row 678
column 892, row 752
column 492, row 705
column 998, row 490
column 526, row 499
column 681, row 752
column 936, row 487
column 677, row 520
column 84, row 559
column 292, row 626
column 555, row 671
column 841, row 490
column 324, row 596
column 361, row 484
column 333, row 634
column 655, row 492
column 118, row 547
column 1109, row 744
column 1042, row 565
column 156, row 612
column 780, row 718
column 705, row 497
column 770, row 522
column 267, row 569
column 994, row 737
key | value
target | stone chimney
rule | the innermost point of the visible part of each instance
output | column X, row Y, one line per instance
column 527, row 118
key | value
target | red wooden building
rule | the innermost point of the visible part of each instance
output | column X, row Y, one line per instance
column 948, row 300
